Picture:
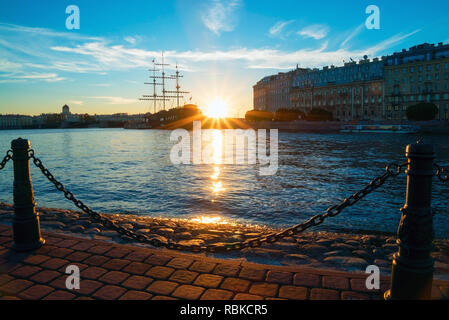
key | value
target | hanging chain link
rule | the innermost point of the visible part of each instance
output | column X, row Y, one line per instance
column 392, row 171
column 441, row 173
column 6, row 159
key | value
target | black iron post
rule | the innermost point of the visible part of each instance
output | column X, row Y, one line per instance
column 26, row 228
column 412, row 271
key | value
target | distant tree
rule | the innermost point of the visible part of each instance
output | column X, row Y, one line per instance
column 285, row 114
column 259, row 115
column 318, row 114
column 422, row 112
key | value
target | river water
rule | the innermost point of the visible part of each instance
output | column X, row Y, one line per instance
column 129, row 171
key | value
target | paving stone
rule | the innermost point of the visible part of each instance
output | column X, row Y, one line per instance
column 137, row 282
column 264, row 289
column 162, row 287
column 35, row 292
column 350, row 295
column 324, row 294
column 25, row 271
column 15, row 286
column 203, row 267
column 180, row 263
column 158, row 260
column 96, row 260
column 117, row 253
column 159, row 272
column 115, row 264
column 5, row 278
column 45, row 276
column 252, row 274
column 217, row 294
column 226, row 270
column 109, row 293
column 136, row 295
column 78, row 256
column 360, row 285
column 293, row 292
column 332, row 282
column 308, row 280
column 99, row 249
column 87, row 287
column 188, row 292
column 60, row 252
column 208, row 280
column 236, row 285
column 247, row 297
column 137, row 268
column 36, row 259
column 60, row 295
column 93, row 273
column 67, row 243
column 83, row 246
column 114, row 277
column 163, row 298
column 183, row 276
column 137, row 256
column 54, row 263
column 279, row 277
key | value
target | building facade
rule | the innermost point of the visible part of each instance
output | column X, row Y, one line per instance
column 417, row 75
column 379, row 89
column 273, row 92
column 353, row 91
column 15, row 121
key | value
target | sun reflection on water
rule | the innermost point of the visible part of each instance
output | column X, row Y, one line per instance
column 210, row 220
column 217, row 145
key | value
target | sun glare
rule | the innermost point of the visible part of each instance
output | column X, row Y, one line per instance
column 217, row 109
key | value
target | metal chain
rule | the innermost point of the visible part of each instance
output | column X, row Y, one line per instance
column 6, row 159
column 441, row 173
column 392, row 170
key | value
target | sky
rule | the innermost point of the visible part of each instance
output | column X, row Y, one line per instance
column 223, row 47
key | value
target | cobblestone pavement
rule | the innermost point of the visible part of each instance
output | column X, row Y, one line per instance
column 113, row 271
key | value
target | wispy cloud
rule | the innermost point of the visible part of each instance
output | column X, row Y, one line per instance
column 219, row 16
column 277, row 29
column 353, row 34
column 103, row 56
column 315, row 31
column 77, row 102
column 116, row 100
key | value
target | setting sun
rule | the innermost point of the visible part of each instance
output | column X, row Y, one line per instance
column 217, row 109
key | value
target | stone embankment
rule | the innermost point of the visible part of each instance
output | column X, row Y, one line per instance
column 321, row 250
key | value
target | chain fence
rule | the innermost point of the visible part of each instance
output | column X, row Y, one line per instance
column 6, row 159
column 441, row 173
column 392, row 171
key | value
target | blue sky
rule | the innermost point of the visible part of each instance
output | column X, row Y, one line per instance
column 223, row 46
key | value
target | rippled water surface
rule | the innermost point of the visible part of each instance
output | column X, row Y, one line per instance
column 128, row 171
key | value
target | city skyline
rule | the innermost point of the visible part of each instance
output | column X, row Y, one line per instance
column 222, row 47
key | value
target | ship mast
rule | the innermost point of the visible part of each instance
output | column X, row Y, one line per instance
column 164, row 97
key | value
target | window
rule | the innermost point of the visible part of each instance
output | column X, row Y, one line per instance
column 412, row 69
column 412, row 79
column 428, row 67
column 437, row 67
column 437, row 76
column 420, row 68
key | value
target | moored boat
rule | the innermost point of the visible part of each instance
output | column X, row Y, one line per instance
column 380, row 128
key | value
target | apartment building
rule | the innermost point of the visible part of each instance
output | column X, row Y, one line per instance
column 420, row 74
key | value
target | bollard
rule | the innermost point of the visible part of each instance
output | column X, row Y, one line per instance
column 412, row 271
column 26, row 227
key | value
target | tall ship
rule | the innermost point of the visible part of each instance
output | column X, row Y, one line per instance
column 162, row 116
